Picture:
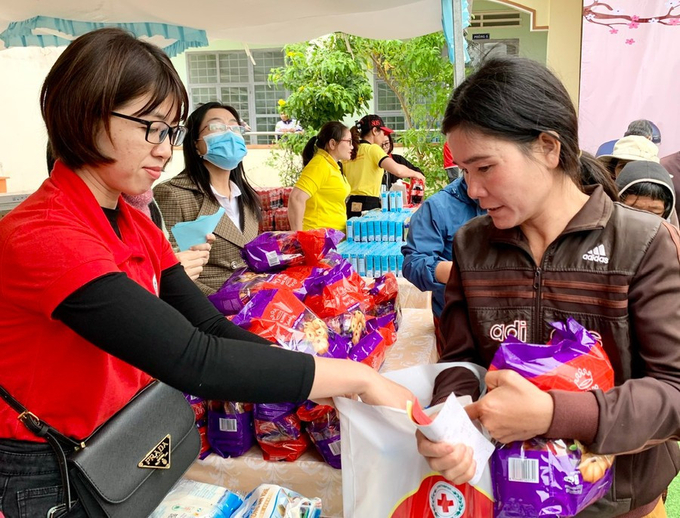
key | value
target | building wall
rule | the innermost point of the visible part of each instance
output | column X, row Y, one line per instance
column 23, row 138
column 533, row 44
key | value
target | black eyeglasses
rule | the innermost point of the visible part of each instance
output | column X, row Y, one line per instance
column 157, row 131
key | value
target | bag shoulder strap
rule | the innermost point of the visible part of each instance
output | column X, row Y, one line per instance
column 55, row 439
column 34, row 424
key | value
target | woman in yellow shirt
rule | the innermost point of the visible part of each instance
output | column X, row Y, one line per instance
column 368, row 164
column 318, row 198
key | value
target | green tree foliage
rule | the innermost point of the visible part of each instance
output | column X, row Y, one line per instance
column 416, row 70
column 420, row 75
column 286, row 157
column 327, row 82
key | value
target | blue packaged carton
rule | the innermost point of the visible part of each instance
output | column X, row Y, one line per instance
column 400, row 201
column 350, row 230
column 392, row 200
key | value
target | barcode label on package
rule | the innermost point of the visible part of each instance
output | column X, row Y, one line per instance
column 272, row 258
column 335, row 447
column 228, row 425
column 523, row 470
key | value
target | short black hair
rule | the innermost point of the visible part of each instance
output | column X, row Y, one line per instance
column 651, row 190
column 97, row 73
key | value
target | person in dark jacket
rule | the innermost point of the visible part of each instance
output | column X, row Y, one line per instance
column 429, row 245
column 388, row 147
column 672, row 164
column 548, row 250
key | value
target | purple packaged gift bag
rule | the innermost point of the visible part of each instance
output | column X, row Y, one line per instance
column 231, row 431
column 199, row 406
column 323, row 427
column 278, row 430
column 273, row 251
column 237, row 291
column 279, row 316
column 541, row 478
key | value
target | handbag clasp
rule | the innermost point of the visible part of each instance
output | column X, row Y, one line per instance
column 58, row 510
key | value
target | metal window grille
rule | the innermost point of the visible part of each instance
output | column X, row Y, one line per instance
column 481, row 50
column 387, row 106
column 231, row 78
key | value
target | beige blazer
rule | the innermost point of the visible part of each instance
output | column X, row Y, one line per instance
column 180, row 200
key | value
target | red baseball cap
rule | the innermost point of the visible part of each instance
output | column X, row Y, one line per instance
column 369, row 122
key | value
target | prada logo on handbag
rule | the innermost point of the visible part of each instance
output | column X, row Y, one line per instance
column 159, row 457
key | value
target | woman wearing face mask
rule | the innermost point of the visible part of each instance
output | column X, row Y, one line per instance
column 318, row 198
column 213, row 177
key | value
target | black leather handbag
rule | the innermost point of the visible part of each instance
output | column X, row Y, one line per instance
column 129, row 463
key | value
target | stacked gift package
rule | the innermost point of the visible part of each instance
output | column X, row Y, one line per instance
column 274, row 202
column 299, row 293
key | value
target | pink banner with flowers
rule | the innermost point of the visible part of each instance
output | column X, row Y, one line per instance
column 630, row 69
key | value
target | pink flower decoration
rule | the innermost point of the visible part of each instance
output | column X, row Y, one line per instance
column 630, row 41
column 674, row 21
column 613, row 31
column 633, row 25
column 635, row 18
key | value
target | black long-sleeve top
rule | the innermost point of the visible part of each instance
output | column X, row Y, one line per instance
column 181, row 339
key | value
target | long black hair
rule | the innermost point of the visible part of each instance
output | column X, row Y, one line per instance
column 332, row 130
column 517, row 99
column 198, row 172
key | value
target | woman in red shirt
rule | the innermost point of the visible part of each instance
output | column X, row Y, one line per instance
column 93, row 302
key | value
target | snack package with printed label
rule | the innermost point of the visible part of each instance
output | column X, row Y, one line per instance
column 271, row 501
column 335, row 291
column 274, row 251
column 191, row 499
column 383, row 295
column 278, row 430
column 370, row 350
column 542, row 477
column 199, row 406
column 231, row 431
column 323, row 428
column 240, row 287
column 279, row 316
column 351, row 325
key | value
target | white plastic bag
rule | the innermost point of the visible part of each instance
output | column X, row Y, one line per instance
column 384, row 476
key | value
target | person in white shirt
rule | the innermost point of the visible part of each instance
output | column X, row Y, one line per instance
column 287, row 125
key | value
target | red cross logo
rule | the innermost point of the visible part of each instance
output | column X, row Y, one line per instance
column 444, row 503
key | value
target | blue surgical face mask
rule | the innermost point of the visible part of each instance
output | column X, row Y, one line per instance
column 224, row 149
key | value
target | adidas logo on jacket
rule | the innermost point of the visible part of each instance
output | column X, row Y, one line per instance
column 597, row 254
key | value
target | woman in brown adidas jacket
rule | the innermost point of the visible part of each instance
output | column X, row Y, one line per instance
column 547, row 250
column 209, row 182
